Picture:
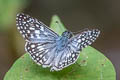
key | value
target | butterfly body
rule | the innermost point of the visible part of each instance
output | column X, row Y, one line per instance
column 63, row 40
column 49, row 49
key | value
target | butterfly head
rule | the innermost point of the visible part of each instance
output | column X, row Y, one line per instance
column 67, row 34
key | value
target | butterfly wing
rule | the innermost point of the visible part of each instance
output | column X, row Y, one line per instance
column 75, row 45
column 41, row 53
column 33, row 30
column 40, row 40
column 82, row 40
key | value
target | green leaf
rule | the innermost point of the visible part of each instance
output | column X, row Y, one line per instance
column 56, row 25
column 91, row 65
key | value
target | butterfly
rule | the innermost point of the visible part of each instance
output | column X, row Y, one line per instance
column 49, row 49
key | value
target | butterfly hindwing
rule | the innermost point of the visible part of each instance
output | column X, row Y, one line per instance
column 64, row 59
column 42, row 54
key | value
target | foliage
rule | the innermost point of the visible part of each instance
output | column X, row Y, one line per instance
column 8, row 11
column 91, row 65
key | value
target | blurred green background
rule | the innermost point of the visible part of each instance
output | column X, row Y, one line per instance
column 75, row 14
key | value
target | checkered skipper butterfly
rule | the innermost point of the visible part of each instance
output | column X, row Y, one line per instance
column 49, row 49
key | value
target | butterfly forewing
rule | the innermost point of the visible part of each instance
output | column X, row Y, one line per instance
column 85, row 38
column 33, row 30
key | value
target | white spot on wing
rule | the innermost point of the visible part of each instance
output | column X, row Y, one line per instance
column 42, row 28
column 37, row 25
column 18, row 27
column 37, row 54
column 31, row 28
column 79, row 40
column 28, row 31
column 32, row 46
column 37, row 31
column 45, row 33
column 24, row 22
column 21, row 32
column 83, row 39
column 37, row 58
column 41, row 49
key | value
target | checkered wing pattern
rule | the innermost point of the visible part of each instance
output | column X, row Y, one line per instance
column 41, row 53
column 40, row 40
column 33, row 30
column 76, row 44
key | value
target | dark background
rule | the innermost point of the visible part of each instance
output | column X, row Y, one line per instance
column 75, row 14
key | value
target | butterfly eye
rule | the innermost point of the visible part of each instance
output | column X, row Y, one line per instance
column 67, row 34
column 70, row 34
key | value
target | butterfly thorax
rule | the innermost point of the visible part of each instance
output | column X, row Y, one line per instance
column 62, row 41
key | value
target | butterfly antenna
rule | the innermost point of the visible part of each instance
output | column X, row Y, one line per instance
column 86, row 29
